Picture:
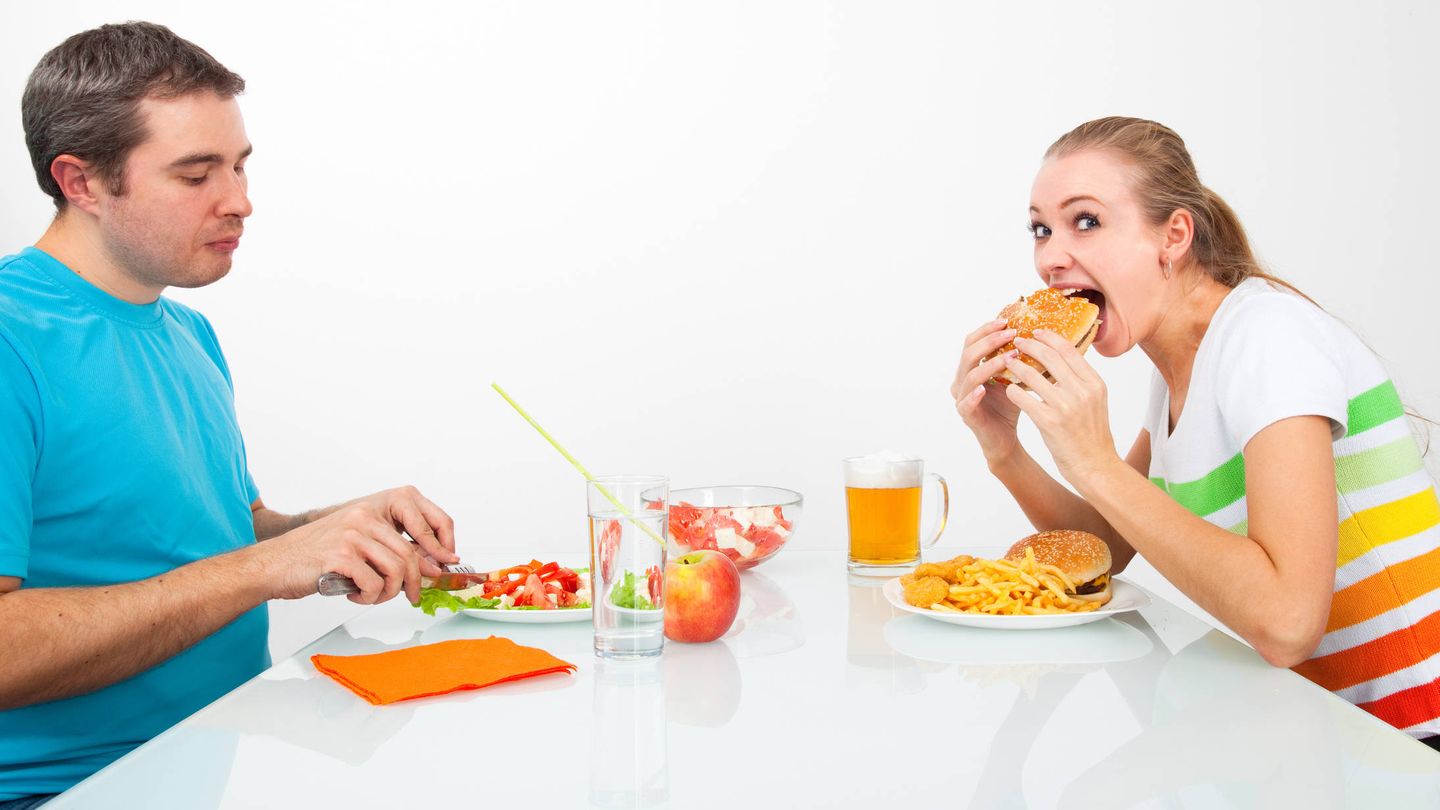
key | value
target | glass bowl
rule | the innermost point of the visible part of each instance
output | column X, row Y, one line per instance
column 749, row 524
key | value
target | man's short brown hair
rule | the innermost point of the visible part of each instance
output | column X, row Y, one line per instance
column 83, row 97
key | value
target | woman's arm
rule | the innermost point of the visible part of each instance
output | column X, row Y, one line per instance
column 1272, row 587
column 1050, row 505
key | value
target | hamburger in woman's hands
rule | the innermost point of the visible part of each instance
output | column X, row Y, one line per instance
column 1081, row 556
column 1063, row 312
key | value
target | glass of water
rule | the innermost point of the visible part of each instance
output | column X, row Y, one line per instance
column 629, row 521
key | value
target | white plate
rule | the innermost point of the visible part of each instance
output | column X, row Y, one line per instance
column 637, row 615
column 1101, row 642
column 530, row 616
column 1123, row 597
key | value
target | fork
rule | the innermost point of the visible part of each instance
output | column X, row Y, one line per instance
column 333, row 584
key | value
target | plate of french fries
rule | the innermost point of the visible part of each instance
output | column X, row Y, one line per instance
column 1014, row 595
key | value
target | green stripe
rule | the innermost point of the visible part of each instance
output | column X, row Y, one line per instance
column 1373, row 408
column 1243, row 527
column 1378, row 465
column 1219, row 488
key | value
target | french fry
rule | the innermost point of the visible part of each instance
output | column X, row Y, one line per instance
column 1003, row 587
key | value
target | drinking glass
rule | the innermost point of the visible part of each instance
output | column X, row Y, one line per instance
column 629, row 520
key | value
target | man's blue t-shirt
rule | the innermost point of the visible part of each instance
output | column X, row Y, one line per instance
column 120, row 459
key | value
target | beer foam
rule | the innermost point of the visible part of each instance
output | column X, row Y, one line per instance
column 886, row 469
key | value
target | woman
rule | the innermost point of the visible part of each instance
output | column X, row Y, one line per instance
column 1291, row 501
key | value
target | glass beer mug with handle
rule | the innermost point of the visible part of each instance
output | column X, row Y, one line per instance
column 882, row 505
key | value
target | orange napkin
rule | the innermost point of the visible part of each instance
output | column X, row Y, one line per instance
column 436, row 669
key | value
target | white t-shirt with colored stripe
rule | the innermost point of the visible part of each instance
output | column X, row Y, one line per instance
column 1269, row 355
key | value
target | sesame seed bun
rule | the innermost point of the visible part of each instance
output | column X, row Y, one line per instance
column 1082, row 556
column 1070, row 316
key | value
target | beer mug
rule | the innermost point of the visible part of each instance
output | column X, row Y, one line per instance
column 882, row 505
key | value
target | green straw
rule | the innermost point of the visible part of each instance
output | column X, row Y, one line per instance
column 576, row 464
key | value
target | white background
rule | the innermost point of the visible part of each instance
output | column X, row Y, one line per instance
column 730, row 242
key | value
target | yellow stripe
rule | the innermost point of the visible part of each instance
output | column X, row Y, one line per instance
column 1388, row 522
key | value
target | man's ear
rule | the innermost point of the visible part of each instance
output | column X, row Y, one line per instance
column 78, row 181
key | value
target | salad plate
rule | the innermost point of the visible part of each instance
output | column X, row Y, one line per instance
column 638, row 615
column 531, row 616
column 529, row 593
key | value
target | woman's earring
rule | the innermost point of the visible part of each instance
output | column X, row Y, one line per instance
column 1168, row 270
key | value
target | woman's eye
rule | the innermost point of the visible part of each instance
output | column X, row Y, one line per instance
column 1086, row 222
column 1039, row 231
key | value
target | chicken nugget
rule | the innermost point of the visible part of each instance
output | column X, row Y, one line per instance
column 941, row 570
column 926, row 591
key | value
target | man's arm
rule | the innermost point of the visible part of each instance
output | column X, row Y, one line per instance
column 269, row 523
column 70, row 641
column 61, row 642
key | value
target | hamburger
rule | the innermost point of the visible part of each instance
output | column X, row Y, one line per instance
column 1063, row 312
column 1081, row 556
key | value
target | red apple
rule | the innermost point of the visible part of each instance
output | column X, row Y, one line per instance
column 702, row 596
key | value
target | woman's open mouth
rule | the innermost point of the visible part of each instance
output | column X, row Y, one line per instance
column 1095, row 297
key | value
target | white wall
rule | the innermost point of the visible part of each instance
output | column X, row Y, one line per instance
column 732, row 242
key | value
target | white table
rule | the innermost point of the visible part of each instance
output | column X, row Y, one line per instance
column 822, row 696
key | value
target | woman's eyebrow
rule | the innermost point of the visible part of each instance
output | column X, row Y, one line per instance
column 1071, row 201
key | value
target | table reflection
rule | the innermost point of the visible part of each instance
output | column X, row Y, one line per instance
column 628, row 764
column 873, row 661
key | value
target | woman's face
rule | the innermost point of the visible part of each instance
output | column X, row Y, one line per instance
column 1090, row 234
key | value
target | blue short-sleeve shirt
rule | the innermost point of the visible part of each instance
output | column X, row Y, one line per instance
column 120, row 459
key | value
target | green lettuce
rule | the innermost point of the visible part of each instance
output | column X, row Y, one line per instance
column 432, row 599
column 625, row 595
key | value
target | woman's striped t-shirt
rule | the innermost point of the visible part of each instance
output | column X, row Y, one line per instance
column 1270, row 355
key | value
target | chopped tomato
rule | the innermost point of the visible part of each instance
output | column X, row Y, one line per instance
column 534, row 595
column 654, row 583
column 567, row 579
column 609, row 545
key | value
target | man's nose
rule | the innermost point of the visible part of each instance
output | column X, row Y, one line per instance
column 236, row 200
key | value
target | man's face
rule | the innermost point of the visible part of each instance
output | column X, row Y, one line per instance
column 184, row 203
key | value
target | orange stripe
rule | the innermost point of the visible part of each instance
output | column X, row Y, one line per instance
column 1389, row 653
column 1408, row 706
column 1385, row 590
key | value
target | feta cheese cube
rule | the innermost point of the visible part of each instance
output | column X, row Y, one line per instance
column 742, row 516
column 726, row 537
column 745, row 547
column 763, row 516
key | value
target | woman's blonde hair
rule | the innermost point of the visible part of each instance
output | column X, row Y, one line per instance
column 1165, row 180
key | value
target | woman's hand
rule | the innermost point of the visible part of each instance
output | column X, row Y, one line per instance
column 1070, row 412
column 981, row 403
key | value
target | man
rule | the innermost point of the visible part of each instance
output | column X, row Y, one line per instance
column 136, row 556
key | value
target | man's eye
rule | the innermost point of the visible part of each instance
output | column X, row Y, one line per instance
column 1086, row 222
column 192, row 181
column 1039, row 231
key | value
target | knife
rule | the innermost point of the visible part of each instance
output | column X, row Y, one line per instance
column 454, row 579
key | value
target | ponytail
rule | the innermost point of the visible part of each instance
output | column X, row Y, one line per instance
column 1167, row 180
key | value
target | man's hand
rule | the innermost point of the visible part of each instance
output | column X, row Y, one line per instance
column 362, row 540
